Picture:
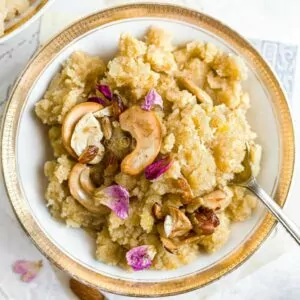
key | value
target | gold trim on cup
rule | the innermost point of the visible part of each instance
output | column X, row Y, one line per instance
column 27, row 16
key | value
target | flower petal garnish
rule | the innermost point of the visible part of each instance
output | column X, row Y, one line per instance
column 116, row 198
column 157, row 168
column 97, row 100
column 105, row 90
column 152, row 98
column 27, row 269
column 140, row 258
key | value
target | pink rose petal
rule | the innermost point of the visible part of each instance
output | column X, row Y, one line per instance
column 105, row 90
column 27, row 269
column 140, row 258
column 152, row 98
column 97, row 100
column 116, row 198
column 157, row 168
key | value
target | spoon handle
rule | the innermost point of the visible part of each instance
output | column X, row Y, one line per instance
column 275, row 209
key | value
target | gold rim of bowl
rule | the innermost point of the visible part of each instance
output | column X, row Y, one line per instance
column 18, row 200
column 27, row 16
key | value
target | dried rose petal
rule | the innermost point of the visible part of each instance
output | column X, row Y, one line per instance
column 151, row 99
column 105, row 90
column 116, row 198
column 97, row 100
column 157, row 168
column 27, row 269
column 140, row 258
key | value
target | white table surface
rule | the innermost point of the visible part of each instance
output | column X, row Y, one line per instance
column 276, row 20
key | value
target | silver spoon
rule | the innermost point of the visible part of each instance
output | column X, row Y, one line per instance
column 247, row 180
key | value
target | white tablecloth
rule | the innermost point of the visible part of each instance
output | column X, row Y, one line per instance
column 272, row 272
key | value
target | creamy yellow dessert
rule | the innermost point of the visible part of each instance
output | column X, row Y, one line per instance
column 144, row 147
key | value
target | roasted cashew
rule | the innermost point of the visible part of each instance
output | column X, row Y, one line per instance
column 71, row 119
column 177, row 223
column 145, row 127
column 82, row 190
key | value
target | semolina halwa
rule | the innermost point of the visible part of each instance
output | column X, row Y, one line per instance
column 144, row 147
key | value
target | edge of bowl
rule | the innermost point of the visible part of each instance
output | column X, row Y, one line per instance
column 25, row 21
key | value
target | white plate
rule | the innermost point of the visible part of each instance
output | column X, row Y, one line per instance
column 72, row 249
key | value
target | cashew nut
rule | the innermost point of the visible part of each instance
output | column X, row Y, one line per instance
column 172, row 246
column 187, row 193
column 200, row 94
column 86, row 181
column 157, row 211
column 217, row 200
column 71, row 119
column 169, row 245
column 177, row 223
column 145, row 127
column 82, row 189
column 192, row 239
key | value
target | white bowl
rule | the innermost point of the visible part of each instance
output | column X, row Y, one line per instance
column 19, row 23
column 25, row 148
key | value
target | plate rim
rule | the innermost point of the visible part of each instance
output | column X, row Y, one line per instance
column 9, row 137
